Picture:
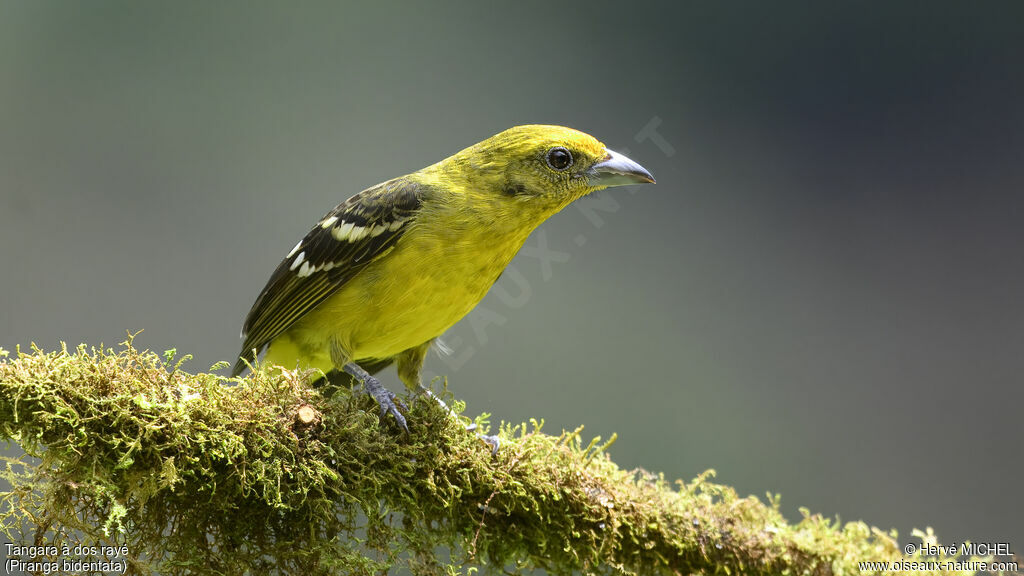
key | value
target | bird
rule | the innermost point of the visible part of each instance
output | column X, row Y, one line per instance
column 385, row 273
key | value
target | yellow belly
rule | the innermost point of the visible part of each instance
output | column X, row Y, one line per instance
column 410, row 296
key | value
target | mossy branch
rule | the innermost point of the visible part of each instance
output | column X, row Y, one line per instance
column 195, row 473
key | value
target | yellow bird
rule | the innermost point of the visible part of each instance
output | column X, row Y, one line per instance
column 387, row 271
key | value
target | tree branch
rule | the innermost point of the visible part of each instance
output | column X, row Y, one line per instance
column 266, row 474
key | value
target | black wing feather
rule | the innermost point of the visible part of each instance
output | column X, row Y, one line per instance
column 288, row 295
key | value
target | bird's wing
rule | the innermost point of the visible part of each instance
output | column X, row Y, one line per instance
column 356, row 232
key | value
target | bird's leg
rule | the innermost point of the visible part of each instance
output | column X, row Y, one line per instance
column 409, row 364
column 387, row 399
column 389, row 402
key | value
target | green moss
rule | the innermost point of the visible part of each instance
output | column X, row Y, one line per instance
column 196, row 473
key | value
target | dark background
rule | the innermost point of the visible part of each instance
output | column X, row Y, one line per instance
column 821, row 297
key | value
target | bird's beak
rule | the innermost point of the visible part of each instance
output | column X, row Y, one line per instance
column 617, row 170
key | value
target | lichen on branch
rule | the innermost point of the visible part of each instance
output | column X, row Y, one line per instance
column 200, row 474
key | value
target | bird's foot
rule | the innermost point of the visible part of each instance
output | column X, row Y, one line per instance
column 424, row 391
column 388, row 400
column 491, row 440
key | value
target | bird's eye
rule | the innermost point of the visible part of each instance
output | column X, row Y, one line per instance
column 559, row 158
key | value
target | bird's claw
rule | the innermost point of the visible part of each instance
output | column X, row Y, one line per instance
column 389, row 402
column 493, row 441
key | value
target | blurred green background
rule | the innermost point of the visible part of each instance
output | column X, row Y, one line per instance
column 821, row 297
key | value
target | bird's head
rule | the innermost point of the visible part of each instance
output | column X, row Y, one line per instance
column 545, row 166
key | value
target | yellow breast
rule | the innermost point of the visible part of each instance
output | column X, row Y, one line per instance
column 429, row 281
